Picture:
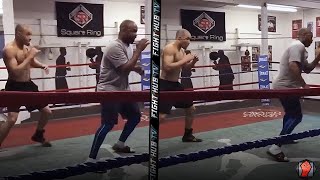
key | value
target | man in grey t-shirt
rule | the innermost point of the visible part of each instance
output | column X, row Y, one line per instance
column 293, row 62
column 118, row 61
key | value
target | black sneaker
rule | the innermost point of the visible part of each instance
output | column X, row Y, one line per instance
column 188, row 137
column 38, row 137
column 125, row 149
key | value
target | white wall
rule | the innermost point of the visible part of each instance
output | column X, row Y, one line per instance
column 246, row 21
column 36, row 12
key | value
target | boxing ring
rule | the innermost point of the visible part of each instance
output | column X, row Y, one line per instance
column 200, row 95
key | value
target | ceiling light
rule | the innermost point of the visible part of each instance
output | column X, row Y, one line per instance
column 272, row 7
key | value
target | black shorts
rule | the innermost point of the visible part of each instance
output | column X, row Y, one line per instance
column 28, row 86
column 110, row 111
column 165, row 107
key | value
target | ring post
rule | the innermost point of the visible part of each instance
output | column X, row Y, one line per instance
column 155, row 72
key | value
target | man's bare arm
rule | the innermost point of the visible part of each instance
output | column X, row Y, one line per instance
column 295, row 69
column 36, row 64
column 11, row 61
column 168, row 60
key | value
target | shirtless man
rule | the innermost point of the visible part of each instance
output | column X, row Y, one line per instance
column 19, row 58
column 174, row 59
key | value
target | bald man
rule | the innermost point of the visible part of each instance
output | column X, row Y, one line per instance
column 118, row 62
column 293, row 62
column 19, row 57
column 174, row 59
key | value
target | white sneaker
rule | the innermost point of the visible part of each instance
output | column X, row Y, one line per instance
column 276, row 153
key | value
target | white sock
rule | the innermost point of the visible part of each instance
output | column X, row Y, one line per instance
column 120, row 144
column 274, row 149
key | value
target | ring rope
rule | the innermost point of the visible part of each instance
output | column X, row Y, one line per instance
column 80, row 88
column 237, row 94
column 57, row 77
column 274, row 70
column 4, row 110
column 70, row 89
column 212, row 75
column 211, row 87
column 88, row 64
column 72, row 65
column 220, row 65
column 66, row 65
column 93, row 74
column 163, row 162
column 244, row 38
column 35, row 98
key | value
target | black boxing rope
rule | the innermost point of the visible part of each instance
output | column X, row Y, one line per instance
column 242, row 72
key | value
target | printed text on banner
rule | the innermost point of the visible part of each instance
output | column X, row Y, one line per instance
column 263, row 75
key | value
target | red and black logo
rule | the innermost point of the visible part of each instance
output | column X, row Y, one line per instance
column 204, row 23
column 80, row 16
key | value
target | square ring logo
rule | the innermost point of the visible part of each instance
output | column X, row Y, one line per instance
column 204, row 23
column 81, row 16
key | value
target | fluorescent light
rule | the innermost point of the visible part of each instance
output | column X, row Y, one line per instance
column 275, row 7
column 272, row 7
column 249, row 6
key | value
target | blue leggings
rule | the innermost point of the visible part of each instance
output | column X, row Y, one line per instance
column 293, row 114
column 109, row 117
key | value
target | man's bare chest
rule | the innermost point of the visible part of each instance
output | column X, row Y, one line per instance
column 21, row 55
column 178, row 56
